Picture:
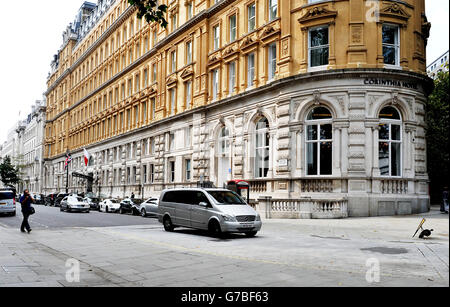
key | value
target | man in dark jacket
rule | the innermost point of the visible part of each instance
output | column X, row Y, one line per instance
column 26, row 200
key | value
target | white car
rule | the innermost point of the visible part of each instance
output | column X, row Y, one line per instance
column 149, row 207
column 74, row 203
column 109, row 205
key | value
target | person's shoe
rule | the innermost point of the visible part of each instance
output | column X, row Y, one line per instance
column 22, row 230
column 29, row 230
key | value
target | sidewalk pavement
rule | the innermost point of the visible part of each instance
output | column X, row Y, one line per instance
column 285, row 253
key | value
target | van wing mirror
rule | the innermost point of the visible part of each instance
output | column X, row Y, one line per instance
column 203, row 204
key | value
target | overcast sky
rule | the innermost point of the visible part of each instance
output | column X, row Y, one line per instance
column 29, row 41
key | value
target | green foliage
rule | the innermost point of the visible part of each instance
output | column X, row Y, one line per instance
column 9, row 174
column 438, row 136
column 151, row 11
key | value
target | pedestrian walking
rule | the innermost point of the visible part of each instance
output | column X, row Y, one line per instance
column 26, row 200
column 132, row 195
column 445, row 200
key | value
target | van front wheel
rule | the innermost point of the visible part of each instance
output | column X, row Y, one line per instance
column 251, row 234
column 168, row 226
column 214, row 228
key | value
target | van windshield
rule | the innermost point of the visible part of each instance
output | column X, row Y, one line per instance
column 227, row 198
column 6, row 195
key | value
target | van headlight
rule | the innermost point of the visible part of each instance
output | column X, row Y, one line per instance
column 229, row 218
column 258, row 218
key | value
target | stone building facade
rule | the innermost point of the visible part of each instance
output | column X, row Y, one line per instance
column 318, row 104
column 25, row 146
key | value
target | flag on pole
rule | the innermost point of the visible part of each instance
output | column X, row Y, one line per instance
column 87, row 157
column 68, row 160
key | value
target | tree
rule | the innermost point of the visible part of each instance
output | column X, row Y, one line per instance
column 437, row 117
column 9, row 174
column 151, row 11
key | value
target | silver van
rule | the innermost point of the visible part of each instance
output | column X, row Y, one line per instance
column 7, row 202
column 216, row 210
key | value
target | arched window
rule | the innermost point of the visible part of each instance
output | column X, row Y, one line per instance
column 262, row 148
column 224, row 141
column 319, row 142
column 390, row 142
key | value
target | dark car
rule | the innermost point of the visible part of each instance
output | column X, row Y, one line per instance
column 50, row 199
column 94, row 202
column 126, row 205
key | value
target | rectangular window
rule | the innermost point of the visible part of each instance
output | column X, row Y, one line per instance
column 232, row 77
column 154, row 73
column 188, row 170
column 216, row 39
column 215, row 83
column 152, row 173
column 272, row 61
column 144, row 175
column 391, row 45
column 250, row 69
column 273, row 9
column 172, row 171
column 173, row 61
column 188, row 94
column 188, row 52
column 172, row 101
column 251, row 11
column 145, row 77
column 190, row 10
column 233, row 28
column 318, row 47
column 153, row 102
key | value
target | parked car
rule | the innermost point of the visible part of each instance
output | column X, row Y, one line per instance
column 74, row 203
column 128, row 204
column 93, row 202
column 59, row 198
column 109, row 205
column 8, row 202
column 38, row 199
column 148, row 207
column 50, row 199
column 216, row 210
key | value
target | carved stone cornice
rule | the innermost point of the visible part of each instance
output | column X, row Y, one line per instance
column 394, row 10
column 315, row 13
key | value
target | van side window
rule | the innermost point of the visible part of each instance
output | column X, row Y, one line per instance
column 200, row 197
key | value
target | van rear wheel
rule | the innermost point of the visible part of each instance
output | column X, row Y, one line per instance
column 168, row 226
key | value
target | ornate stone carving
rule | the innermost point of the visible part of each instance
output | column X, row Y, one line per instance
column 316, row 13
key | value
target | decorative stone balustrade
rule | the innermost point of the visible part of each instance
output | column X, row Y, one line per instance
column 304, row 208
column 394, row 186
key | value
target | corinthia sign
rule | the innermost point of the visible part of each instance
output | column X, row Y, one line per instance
column 390, row 82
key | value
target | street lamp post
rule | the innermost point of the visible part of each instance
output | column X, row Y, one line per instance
column 67, row 172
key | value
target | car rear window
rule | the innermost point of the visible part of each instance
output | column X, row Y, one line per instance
column 6, row 195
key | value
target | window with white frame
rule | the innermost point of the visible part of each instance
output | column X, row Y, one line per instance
column 273, row 9
column 152, row 173
column 250, row 69
column 272, row 61
column 232, row 77
column 224, row 141
column 188, row 94
column 233, row 28
column 189, row 52
column 188, row 169
column 172, row 101
column 318, row 46
column 173, row 61
column 262, row 148
column 215, row 83
column 390, row 142
column 251, row 15
column 391, row 45
column 216, row 39
column 319, row 142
